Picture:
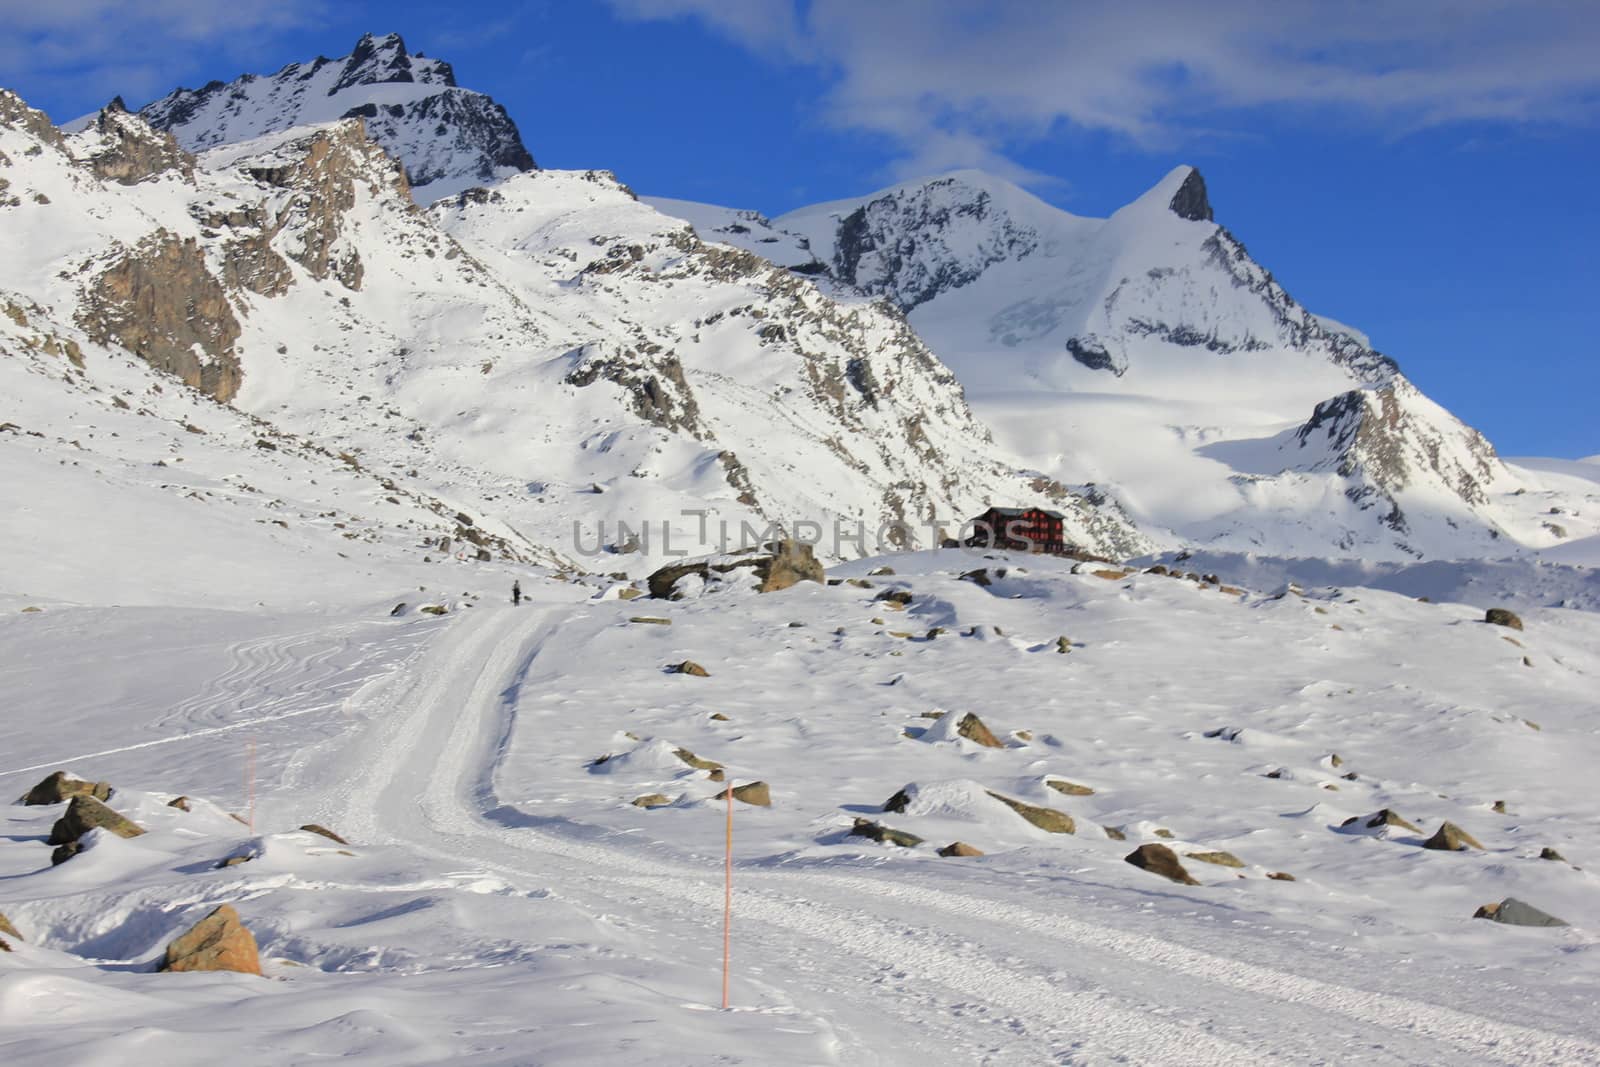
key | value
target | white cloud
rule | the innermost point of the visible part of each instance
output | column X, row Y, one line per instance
column 90, row 50
column 963, row 82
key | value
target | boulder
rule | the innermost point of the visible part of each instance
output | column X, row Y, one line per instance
column 756, row 793
column 689, row 667
column 84, row 814
column 1071, row 789
column 899, row 801
column 650, row 620
column 1515, row 912
column 977, row 577
column 652, row 800
column 7, row 928
column 895, row 597
column 960, row 848
column 696, row 762
column 1159, row 859
column 883, row 834
column 972, row 728
column 1548, row 853
column 1163, row 832
column 1502, row 617
column 1113, row 833
column 1063, row 644
column 1379, row 819
column 219, row 942
column 323, row 831
column 1221, row 859
column 181, row 803
column 779, row 565
column 63, row 853
column 1281, row 876
column 60, row 787
column 1047, row 819
column 1451, row 838
column 791, row 563
column 717, row 716
column 880, row 572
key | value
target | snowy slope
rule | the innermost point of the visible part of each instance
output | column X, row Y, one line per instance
column 450, row 138
column 501, row 899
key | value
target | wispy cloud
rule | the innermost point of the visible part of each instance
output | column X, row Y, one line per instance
column 961, row 83
column 94, row 49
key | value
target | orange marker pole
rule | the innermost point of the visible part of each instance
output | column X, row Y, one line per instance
column 727, row 900
column 250, row 784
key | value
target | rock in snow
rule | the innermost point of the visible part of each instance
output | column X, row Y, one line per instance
column 1159, row 859
column 218, row 942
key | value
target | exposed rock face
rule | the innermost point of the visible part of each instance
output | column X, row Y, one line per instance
column 1502, row 617
column 783, row 564
column 86, row 813
column 1517, row 913
column 1047, row 819
column 18, row 115
column 695, row 761
column 973, row 729
column 449, row 138
column 1379, row 819
column 323, row 831
column 1159, row 859
column 654, row 382
column 1389, row 439
column 60, row 787
column 912, row 244
column 1221, row 859
column 884, row 835
column 1451, row 838
column 322, row 172
column 793, row 562
column 756, row 793
column 219, row 942
column 1190, row 201
column 121, row 148
column 162, row 304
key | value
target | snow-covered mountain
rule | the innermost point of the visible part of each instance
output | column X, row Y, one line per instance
column 449, row 137
column 1149, row 353
column 552, row 356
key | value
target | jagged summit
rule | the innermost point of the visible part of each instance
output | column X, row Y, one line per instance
column 1190, row 201
column 381, row 60
column 449, row 138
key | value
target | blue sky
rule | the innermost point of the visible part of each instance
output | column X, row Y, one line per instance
column 1424, row 172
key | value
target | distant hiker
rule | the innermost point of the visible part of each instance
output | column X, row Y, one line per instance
column 516, row 592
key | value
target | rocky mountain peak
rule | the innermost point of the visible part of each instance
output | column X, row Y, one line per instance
column 449, row 138
column 1390, row 440
column 384, row 60
column 121, row 147
column 1190, row 201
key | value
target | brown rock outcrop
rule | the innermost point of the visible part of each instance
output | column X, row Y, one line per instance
column 162, row 304
column 1159, row 859
column 219, row 942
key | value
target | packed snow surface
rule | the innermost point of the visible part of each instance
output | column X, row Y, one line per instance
column 502, row 900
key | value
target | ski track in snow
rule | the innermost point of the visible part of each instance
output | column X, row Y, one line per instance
column 1057, row 989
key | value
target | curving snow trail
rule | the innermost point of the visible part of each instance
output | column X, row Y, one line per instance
column 963, row 978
